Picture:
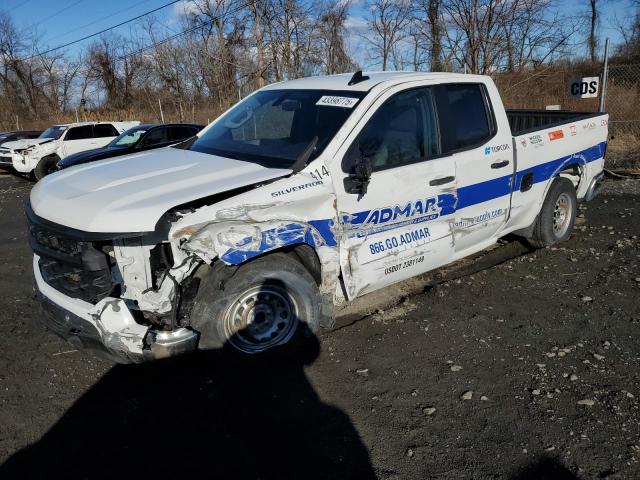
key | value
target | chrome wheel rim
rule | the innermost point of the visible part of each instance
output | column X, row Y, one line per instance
column 562, row 215
column 261, row 318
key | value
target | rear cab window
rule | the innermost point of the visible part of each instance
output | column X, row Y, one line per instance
column 466, row 116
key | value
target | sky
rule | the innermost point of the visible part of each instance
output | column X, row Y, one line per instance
column 62, row 21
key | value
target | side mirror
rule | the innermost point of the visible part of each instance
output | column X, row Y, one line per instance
column 358, row 181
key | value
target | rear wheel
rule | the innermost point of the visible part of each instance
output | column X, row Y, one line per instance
column 557, row 216
column 46, row 166
column 271, row 303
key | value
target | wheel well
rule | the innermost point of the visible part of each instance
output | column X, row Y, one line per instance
column 572, row 172
column 306, row 255
column 301, row 252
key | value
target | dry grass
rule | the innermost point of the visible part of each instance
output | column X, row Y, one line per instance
column 623, row 152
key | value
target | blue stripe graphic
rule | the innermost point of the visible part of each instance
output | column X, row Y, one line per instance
column 498, row 187
column 321, row 232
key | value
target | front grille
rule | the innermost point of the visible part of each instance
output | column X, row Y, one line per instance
column 79, row 269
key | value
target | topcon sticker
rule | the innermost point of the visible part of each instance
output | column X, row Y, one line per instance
column 331, row 101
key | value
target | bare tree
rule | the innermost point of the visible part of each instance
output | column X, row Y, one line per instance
column 332, row 51
column 387, row 20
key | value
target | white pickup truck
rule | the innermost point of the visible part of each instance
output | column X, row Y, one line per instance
column 40, row 155
column 304, row 195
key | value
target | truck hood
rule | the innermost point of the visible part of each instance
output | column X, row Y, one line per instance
column 131, row 193
column 25, row 143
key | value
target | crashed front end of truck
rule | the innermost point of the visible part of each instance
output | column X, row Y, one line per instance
column 207, row 213
column 129, row 295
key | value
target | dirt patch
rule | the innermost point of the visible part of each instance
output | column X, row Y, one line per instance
column 520, row 364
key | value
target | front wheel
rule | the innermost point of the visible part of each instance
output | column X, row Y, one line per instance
column 557, row 216
column 46, row 166
column 271, row 303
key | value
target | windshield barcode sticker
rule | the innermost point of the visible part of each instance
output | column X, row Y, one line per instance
column 330, row 101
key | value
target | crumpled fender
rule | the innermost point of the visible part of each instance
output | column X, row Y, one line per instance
column 299, row 209
column 294, row 210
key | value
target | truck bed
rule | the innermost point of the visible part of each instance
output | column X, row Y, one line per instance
column 525, row 121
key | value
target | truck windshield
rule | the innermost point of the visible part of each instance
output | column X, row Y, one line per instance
column 274, row 128
column 54, row 132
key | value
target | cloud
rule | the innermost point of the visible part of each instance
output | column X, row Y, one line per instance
column 185, row 7
column 356, row 24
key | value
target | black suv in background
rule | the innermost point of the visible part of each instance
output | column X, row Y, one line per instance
column 136, row 139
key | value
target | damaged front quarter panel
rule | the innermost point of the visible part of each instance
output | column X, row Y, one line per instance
column 296, row 210
column 250, row 224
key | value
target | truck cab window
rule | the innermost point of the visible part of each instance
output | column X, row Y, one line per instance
column 401, row 132
column 463, row 110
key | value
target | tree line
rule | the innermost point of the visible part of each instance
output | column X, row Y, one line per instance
column 225, row 49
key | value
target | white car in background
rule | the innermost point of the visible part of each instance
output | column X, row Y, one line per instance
column 40, row 155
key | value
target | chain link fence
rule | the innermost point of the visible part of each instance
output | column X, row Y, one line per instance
column 622, row 99
column 622, row 102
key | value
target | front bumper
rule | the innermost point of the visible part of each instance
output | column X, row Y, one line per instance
column 107, row 328
column 14, row 160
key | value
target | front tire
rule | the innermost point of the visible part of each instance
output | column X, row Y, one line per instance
column 555, row 222
column 269, row 304
column 46, row 166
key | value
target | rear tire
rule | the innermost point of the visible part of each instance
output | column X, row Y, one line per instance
column 46, row 166
column 554, row 223
column 269, row 304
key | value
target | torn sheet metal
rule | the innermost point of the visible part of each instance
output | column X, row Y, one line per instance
column 134, row 269
column 237, row 230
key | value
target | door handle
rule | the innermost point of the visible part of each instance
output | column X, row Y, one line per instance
column 501, row 164
column 442, row 181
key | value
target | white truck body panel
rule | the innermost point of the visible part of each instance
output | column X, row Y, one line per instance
column 412, row 219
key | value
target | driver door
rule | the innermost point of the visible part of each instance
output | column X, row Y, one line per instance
column 402, row 225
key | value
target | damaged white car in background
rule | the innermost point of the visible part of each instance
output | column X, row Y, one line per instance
column 39, row 156
column 306, row 194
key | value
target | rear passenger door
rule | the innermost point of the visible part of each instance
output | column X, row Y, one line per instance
column 103, row 133
column 402, row 225
column 484, row 163
column 78, row 139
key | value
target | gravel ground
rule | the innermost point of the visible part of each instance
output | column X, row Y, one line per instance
column 519, row 364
